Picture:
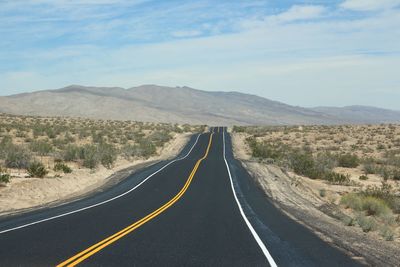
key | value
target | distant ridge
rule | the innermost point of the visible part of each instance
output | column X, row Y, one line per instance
column 155, row 103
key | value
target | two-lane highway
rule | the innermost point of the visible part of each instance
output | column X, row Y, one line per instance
column 202, row 209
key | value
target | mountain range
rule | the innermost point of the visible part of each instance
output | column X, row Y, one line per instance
column 154, row 103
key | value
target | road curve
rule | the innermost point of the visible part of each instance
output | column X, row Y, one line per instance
column 202, row 209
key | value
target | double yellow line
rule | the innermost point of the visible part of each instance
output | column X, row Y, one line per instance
column 73, row 261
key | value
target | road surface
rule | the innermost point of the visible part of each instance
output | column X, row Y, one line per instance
column 201, row 209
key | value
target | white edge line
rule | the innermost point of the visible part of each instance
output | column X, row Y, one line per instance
column 105, row 201
column 253, row 232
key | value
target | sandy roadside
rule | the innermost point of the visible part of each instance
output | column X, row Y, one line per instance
column 299, row 198
column 27, row 193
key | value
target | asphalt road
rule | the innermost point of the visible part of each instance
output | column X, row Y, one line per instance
column 202, row 209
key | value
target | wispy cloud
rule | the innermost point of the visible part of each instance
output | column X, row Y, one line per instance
column 369, row 5
column 297, row 12
column 188, row 33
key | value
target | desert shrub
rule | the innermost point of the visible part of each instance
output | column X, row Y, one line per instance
column 43, row 148
column 303, row 164
column 59, row 166
column 396, row 174
column 387, row 233
column 160, row 138
column 88, row 154
column 374, row 206
column 17, row 157
column 363, row 177
column 347, row 220
column 337, row 178
column 265, row 150
column 71, row 153
column 37, row 169
column 146, row 148
column 97, row 137
column 369, row 166
column 107, row 154
column 325, row 162
column 4, row 176
column 348, row 161
column 385, row 193
column 239, row 129
column 380, row 146
column 5, row 146
column 322, row 193
column 371, row 205
column 128, row 151
column 366, row 223
column 352, row 200
column 69, row 138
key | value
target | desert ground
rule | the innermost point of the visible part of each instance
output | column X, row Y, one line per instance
column 51, row 159
column 343, row 182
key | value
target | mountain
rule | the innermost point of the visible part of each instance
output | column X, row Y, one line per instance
column 362, row 114
column 181, row 105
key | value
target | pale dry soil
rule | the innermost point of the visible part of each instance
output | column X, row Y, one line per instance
column 23, row 193
column 299, row 198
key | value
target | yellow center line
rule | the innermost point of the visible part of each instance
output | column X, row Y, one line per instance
column 73, row 261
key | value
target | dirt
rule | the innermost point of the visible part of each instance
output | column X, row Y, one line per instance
column 23, row 193
column 299, row 197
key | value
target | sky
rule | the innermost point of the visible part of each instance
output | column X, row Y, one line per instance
column 305, row 53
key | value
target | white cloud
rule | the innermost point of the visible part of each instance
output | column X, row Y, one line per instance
column 369, row 5
column 297, row 12
column 188, row 33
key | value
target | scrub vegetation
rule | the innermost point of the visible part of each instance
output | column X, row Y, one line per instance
column 358, row 166
column 42, row 147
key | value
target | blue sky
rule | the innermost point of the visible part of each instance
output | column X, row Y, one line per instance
column 306, row 53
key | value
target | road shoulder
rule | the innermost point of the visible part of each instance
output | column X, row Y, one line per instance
column 299, row 203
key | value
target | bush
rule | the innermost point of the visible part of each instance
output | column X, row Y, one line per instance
column 352, row 201
column 303, row 164
column 71, row 153
column 348, row 161
column 146, row 148
column 337, row 178
column 41, row 147
column 325, row 162
column 37, row 169
column 387, row 233
column 265, row 150
column 107, row 155
column 370, row 167
column 4, row 177
column 160, row 138
column 322, row 193
column 384, row 193
column 5, row 146
column 17, row 157
column 363, row 177
column 396, row 174
column 366, row 223
column 62, row 167
column 347, row 220
column 89, row 156
column 371, row 205
column 374, row 206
